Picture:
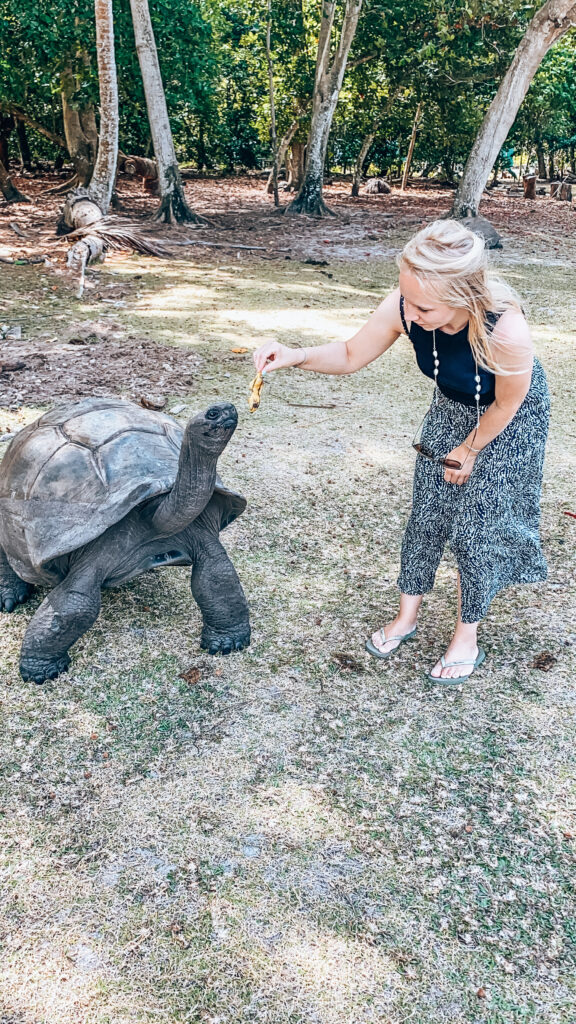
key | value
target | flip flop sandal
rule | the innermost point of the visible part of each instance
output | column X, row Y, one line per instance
column 450, row 664
column 386, row 640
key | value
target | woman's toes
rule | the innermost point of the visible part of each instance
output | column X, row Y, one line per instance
column 387, row 646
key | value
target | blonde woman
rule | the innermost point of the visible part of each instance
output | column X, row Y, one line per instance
column 480, row 450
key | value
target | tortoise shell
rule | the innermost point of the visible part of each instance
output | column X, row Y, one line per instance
column 73, row 473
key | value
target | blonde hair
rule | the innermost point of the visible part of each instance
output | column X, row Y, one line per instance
column 451, row 261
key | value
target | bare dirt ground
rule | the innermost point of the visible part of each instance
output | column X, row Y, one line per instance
column 295, row 834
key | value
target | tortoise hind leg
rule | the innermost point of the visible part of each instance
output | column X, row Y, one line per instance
column 62, row 618
column 13, row 590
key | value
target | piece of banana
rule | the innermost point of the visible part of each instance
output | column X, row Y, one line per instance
column 255, row 389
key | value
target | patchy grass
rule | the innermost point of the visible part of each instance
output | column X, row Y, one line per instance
column 296, row 837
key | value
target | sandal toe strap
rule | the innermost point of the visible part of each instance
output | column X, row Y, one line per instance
column 452, row 664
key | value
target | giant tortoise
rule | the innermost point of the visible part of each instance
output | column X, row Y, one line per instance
column 96, row 492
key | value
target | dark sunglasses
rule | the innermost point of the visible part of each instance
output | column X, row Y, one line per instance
column 423, row 450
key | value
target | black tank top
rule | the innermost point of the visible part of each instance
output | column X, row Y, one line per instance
column 457, row 368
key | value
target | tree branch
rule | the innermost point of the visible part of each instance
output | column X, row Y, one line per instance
column 11, row 108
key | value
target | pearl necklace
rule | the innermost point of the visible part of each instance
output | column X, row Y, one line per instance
column 477, row 379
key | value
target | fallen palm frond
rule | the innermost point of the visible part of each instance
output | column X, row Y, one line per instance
column 92, row 234
column 117, row 236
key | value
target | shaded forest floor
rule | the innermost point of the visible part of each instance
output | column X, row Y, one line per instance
column 296, row 834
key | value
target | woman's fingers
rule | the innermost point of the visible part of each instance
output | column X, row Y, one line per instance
column 268, row 357
column 454, row 476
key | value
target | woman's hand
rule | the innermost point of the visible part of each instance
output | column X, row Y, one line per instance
column 274, row 356
column 466, row 458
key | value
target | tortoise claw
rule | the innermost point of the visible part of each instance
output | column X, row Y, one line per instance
column 14, row 593
column 36, row 670
column 225, row 641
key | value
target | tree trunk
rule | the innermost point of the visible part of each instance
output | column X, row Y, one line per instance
column 359, row 166
column 494, row 181
column 90, row 129
column 327, row 85
column 173, row 207
column 411, row 148
column 82, row 152
column 104, row 176
column 6, row 129
column 273, row 138
column 25, row 154
column 547, row 25
column 541, row 160
column 201, row 147
column 551, row 166
column 281, row 153
column 295, row 165
column 9, row 191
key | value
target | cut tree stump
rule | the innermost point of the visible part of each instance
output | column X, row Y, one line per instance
column 529, row 186
column 561, row 190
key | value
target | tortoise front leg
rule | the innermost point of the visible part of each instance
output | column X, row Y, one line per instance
column 13, row 590
column 62, row 618
column 219, row 595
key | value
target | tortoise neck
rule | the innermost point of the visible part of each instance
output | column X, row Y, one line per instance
column 191, row 492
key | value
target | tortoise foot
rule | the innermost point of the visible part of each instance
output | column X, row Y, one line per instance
column 40, row 670
column 225, row 641
column 13, row 593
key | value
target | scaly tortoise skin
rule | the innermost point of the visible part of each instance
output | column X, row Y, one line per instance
column 96, row 492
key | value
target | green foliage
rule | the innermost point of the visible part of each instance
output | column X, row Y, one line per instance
column 548, row 114
column 213, row 59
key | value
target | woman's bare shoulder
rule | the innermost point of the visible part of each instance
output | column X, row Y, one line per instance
column 511, row 342
column 512, row 327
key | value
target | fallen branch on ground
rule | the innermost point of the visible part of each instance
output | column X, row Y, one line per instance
column 227, row 245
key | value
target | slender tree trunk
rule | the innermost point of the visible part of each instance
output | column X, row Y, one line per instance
column 201, row 147
column 6, row 129
column 272, row 106
column 104, row 176
column 494, row 181
column 82, row 152
column 327, row 84
column 281, row 153
column 295, row 165
column 411, row 148
column 359, row 166
column 551, row 164
column 547, row 25
column 25, row 154
column 541, row 160
column 173, row 206
column 90, row 129
column 9, row 190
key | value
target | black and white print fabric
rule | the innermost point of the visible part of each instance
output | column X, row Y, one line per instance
column 491, row 522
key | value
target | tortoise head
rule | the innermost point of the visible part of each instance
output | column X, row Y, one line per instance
column 213, row 429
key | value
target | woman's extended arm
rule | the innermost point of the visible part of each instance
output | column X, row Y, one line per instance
column 339, row 357
column 513, row 351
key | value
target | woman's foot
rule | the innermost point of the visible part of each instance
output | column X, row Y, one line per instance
column 398, row 629
column 464, row 650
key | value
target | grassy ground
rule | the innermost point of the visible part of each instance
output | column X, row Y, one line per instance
column 302, row 835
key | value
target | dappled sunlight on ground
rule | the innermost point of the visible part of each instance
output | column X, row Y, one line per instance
column 297, row 833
